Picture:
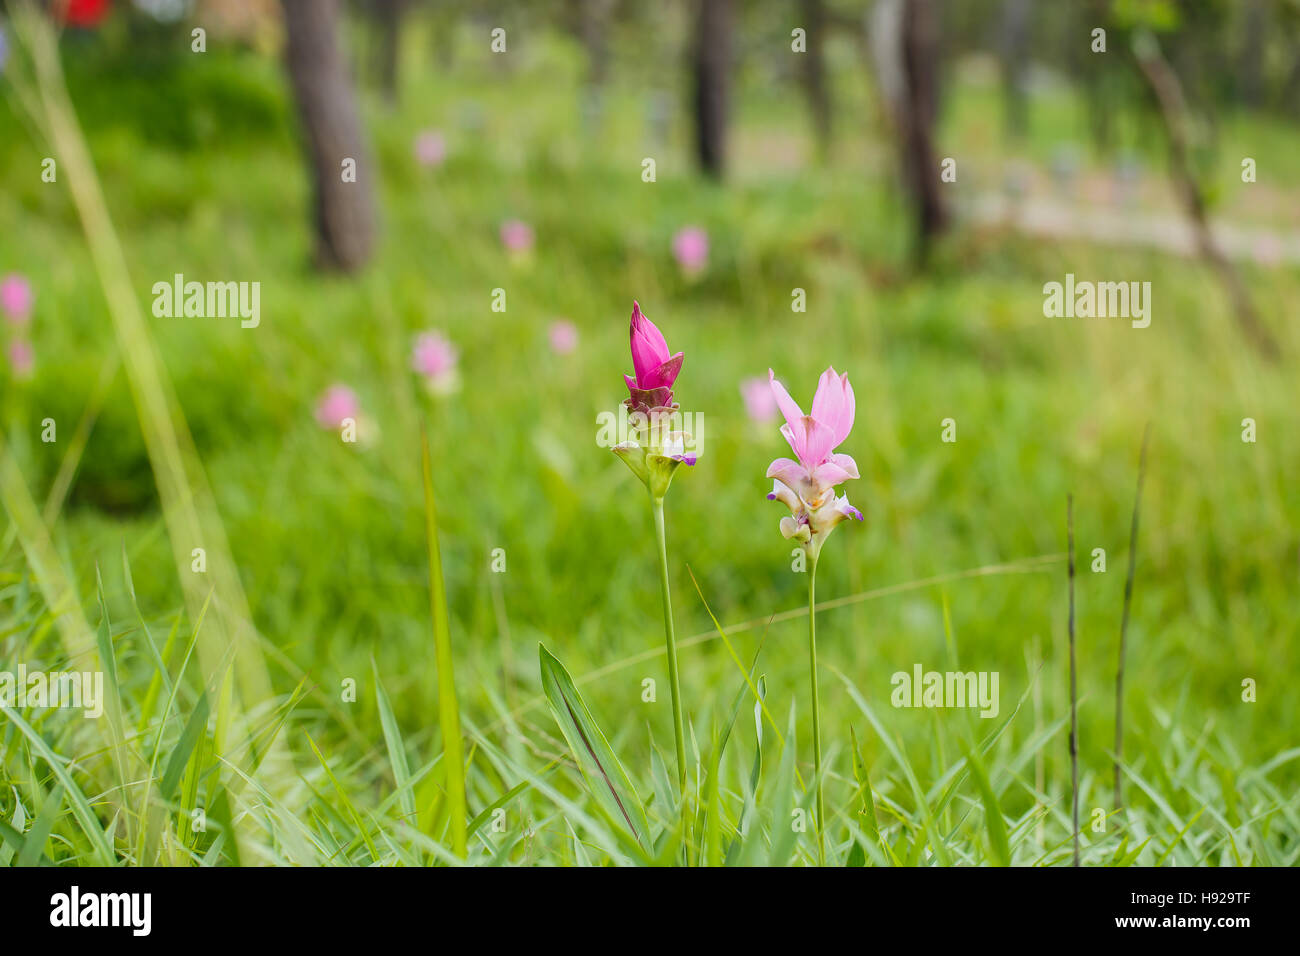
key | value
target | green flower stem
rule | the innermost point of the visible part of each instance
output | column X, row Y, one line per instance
column 816, row 710
column 670, row 640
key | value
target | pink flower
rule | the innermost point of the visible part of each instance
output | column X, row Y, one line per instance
column 760, row 404
column 563, row 335
column 691, row 249
column 430, row 148
column 337, row 404
column 435, row 358
column 658, row 444
column 16, row 298
column 517, row 236
column 21, row 358
column 807, row 485
column 654, row 368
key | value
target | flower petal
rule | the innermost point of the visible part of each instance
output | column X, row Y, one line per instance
column 663, row 375
column 811, row 440
column 843, row 507
column 833, row 405
column 788, row 472
column 828, row 475
column 845, row 462
column 649, row 348
column 792, row 528
column 789, row 407
column 783, row 494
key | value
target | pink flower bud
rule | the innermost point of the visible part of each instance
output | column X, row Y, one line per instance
column 564, row 336
column 338, row 403
column 430, row 148
column 16, row 298
column 691, row 249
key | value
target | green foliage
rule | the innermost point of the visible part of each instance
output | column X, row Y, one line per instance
column 332, row 541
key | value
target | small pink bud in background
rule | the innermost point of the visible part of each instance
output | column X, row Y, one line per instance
column 564, row 336
column 436, row 358
column 338, row 403
column 517, row 236
column 760, row 403
column 16, row 298
column 430, row 148
column 691, row 249
column 21, row 358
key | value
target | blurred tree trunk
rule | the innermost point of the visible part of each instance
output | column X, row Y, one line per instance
column 712, row 56
column 1014, row 48
column 327, row 107
column 1172, row 104
column 1097, row 84
column 814, row 73
column 593, row 31
column 389, row 14
column 1251, row 68
column 919, row 28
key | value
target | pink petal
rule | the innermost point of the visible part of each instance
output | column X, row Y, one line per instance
column 811, row 440
column 789, row 408
column 649, row 348
column 834, row 404
column 829, row 475
column 787, row 472
column 846, row 464
column 664, row 375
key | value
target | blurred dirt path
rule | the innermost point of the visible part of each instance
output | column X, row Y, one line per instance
column 1056, row 219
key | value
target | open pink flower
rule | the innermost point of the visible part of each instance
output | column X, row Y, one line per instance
column 337, row 404
column 814, row 438
column 654, row 367
column 691, row 249
column 16, row 298
column 806, row 485
column 563, row 335
column 760, row 405
column 517, row 236
column 430, row 148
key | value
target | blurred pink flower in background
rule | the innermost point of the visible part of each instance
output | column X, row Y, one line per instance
column 430, row 148
column 16, row 298
column 338, row 403
column 21, row 358
column 436, row 358
column 563, row 335
column 691, row 249
column 517, row 236
column 760, row 403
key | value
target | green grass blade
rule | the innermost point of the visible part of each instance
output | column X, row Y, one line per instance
column 180, row 755
column 396, row 749
column 605, row 776
column 453, row 762
column 81, row 809
column 993, row 820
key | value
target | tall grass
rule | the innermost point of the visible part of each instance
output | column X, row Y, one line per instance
column 237, row 748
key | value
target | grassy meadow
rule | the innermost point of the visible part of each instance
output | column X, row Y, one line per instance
column 960, row 563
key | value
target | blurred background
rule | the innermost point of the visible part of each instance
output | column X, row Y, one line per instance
column 882, row 186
